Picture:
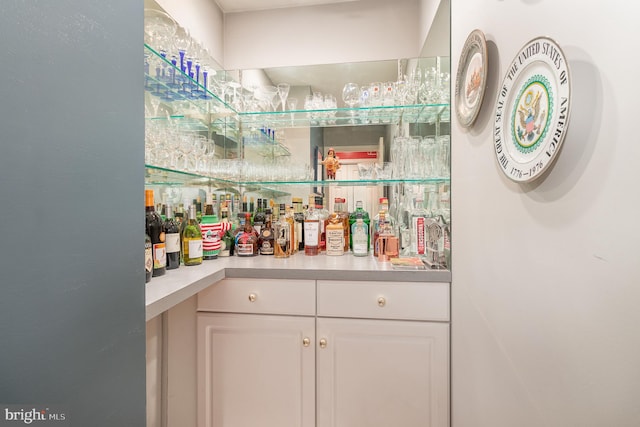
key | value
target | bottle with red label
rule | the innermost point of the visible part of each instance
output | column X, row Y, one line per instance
column 419, row 217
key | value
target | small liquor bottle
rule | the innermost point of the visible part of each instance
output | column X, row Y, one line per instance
column 155, row 229
column 311, row 229
column 172, row 239
column 282, row 231
column 265, row 240
column 192, row 240
column 335, row 236
column 247, row 241
column 365, row 219
column 323, row 216
column 360, row 236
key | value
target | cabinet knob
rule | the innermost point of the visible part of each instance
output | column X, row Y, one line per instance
column 306, row 341
column 323, row 343
column 382, row 302
column 253, row 297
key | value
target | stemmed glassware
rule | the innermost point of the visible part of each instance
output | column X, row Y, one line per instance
column 351, row 97
column 283, row 93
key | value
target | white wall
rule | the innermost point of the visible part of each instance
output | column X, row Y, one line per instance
column 348, row 32
column 546, row 277
column 203, row 19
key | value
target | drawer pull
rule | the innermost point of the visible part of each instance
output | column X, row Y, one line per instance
column 323, row 343
column 382, row 302
column 253, row 297
column 306, row 342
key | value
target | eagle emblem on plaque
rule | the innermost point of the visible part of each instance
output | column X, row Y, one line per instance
column 531, row 115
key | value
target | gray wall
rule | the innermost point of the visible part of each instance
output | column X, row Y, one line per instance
column 71, row 210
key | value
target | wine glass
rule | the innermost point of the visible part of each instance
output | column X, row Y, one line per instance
column 283, row 93
column 351, row 97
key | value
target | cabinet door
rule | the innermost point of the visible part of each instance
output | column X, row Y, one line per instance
column 255, row 370
column 381, row 373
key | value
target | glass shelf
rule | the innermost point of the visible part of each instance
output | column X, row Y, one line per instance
column 349, row 116
column 171, row 92
column 156, row 175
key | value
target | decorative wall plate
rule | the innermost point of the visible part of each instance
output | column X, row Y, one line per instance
column 532, row 110
column 471, row 78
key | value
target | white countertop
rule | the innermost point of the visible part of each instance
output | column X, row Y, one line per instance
column 177, row 285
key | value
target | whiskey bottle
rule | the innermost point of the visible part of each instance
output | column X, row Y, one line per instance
column 282, row 236
column 339, row 208
column 265, row 240
column 247, row 240
column 311, row 229
column 335, row 236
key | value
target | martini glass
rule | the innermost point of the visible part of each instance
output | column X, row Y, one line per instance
column 283, row 93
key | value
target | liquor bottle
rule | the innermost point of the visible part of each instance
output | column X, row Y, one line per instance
column 340, row 210
column 247, row 241
column 323, row 216
column 245, row 206
column 210, row 229
column 192, row 239
column 172, row 238
column 360, row 236
column 335, row 236
column 311, row 229
column 294, row 237
column 298, row 216
column 265, row 240
column 198, row 203
column 259, row 218
column 383, row 206
column 227, row 245
column 418, row 228
column 282, row 235
column 377, row 227
column 435, row 232
column 148, row 258
column 155, row 230
column 365, row 219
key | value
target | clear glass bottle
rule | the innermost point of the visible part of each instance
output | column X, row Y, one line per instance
column 282, row 235
column 172, row 238
column 323, row 216
column 418, row 228
column 311, row 229
column 365, row 218
column 360, row 236
column 192, row 239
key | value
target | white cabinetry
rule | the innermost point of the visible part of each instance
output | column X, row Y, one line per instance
column 384, row 356
column 370, row 354
column 259, row 368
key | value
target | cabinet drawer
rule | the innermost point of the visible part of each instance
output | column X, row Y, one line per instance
column 384, row 300
column 260, row 296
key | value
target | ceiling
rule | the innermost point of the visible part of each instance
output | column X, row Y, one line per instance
column 232, row 6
